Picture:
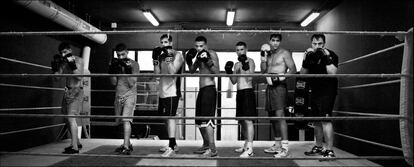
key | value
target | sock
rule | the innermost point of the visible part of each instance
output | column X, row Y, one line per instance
column 285, row 145
column 278, row 141
column 249, row 146
column 172, row 142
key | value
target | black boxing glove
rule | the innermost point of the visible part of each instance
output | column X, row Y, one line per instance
column 156, row 52
column 167, row 54
column 56, row 62
column 325, row 57
column 229, row 67
column 243, row 60
column 205, row 57
column 72, row 63
column 310, row 60
column 115, row 66
column 126, row 64
column 189, row 56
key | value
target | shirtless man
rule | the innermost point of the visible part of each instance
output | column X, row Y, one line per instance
column 126, row 92
column 67, row 63
column 168, row 61
column 276, row 60
column 245, row 99
column 208, row 63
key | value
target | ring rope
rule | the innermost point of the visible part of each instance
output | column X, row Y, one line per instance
column 202, row 158
column 365, row 114
column 156, row 105
column 22, row 62
column 33, row 108
column 372, row 54
column 395, row 75
column 225, row 91
column 96, row 90
column 107, row 123
column 31, row 129
column 152, row 105
column 206, row 118
column 376, row 33
column 369, row 142
column 32, row 87
column 371, row 84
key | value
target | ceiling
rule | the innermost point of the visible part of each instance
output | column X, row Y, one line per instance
column 196, row 14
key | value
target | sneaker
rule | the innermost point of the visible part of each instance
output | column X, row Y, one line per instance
column 122, row 147
column 247, row 153
column 126, row 151
column 282, row 154
column 168, row 153
column 201, row 150
column 70, row 151
column 273, row 149
column 209, row 153
column 165, row 148
column 328, row 154
column 314, row 151
column 70, row 147
column 239, row 150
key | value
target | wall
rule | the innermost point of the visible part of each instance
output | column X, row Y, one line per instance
column 366, row 16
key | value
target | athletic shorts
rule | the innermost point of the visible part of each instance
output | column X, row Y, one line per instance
column 168, row 106
column 322, row 104
column 276, row 98
column 245, row 103
column 73, row 102
column 206, row 105
column 125, row 105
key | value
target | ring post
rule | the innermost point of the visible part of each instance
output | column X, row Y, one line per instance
column 406, row 99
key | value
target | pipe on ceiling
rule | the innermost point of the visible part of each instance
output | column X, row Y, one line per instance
column 63, row 17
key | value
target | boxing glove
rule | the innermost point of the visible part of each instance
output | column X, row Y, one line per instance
column 205, row 57
column 245, row 63
column 56, row 62
column 229, row 67
column 189, row 56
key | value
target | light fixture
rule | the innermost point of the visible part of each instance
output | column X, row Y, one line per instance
column 151, row 17
column 230, row 17
column 309, row 19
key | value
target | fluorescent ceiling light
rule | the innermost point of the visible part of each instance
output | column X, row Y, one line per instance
column 309, row 19
column 151, row 18
column 230, row 17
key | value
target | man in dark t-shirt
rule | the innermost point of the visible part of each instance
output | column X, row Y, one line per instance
column 320, row 60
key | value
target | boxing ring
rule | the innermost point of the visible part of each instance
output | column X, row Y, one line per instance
column 49, row 154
